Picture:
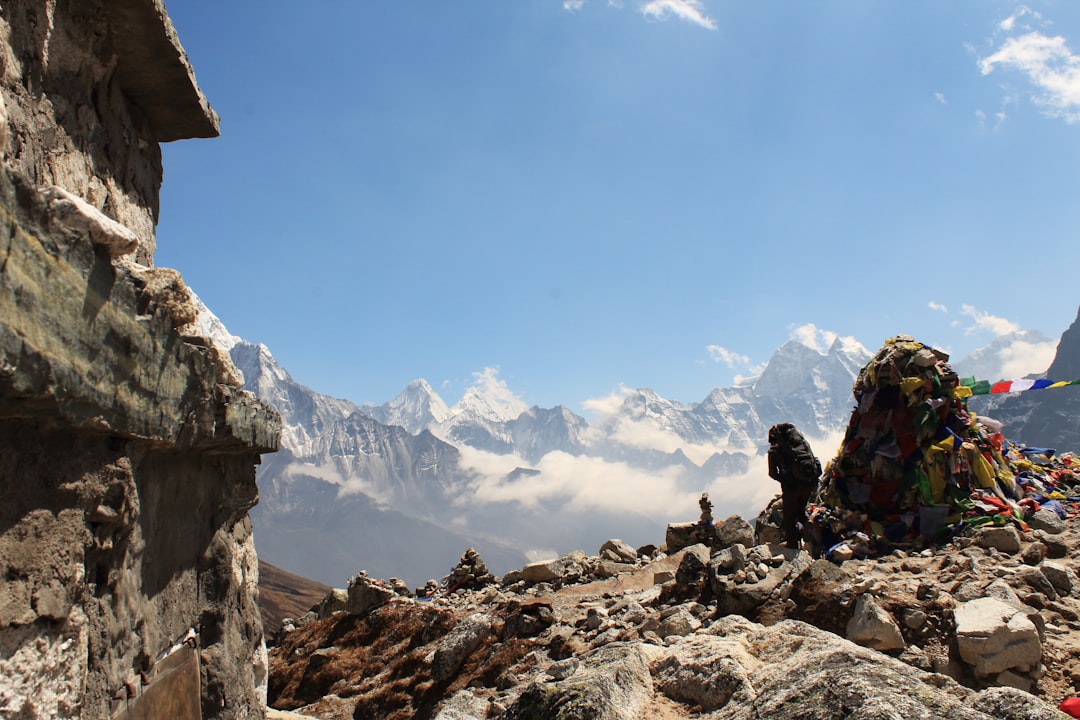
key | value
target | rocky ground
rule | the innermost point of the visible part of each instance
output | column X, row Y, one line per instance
column 983, row 627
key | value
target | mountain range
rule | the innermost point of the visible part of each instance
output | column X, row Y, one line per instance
column 401, row 489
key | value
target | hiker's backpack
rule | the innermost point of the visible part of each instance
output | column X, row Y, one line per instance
column 800, row 463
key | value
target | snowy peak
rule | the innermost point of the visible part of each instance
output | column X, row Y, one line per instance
column 789, row 367
column 416, row 408
column 998, row 360
column 490, row 400
column 211, row 327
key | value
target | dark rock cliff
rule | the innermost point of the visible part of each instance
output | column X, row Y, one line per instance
column 127, row 446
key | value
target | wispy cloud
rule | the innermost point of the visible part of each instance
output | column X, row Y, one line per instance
column 984, row 321
column 1046, row 62
column 938, row 306
column 732, row 359
column 814, row 337
column 940, row 97
column 692, row 11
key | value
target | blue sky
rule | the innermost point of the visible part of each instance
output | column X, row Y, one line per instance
column 592, row 194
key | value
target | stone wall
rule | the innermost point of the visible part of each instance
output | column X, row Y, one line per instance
column 127, row 447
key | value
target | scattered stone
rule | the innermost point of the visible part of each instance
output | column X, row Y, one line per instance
column 618, row 551
column 734, row 531
column 1005, row 538
column 873, row 627
column 1046, row 520
column 1060, row 576
column 993, row 636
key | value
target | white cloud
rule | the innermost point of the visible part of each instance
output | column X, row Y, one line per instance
column 1048, row 64
column 1024, row 358
column 985, row 321
column 573, row 5
column 609, row 404
column 813, row 337
column 938, row 306
column 1009, row 23
column 730, row 358
column 692, row 11
column 940, row 97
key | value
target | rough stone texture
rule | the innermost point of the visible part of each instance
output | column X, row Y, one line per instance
column 127, row 446
column 365, row 595
column 1006, row 538
column 543, row 571
column 91, row 88
column 734, row 531
column 618, row 551
column 459, row 644
column 873, row 627
column 993, row 636
column 1046, row 520
column 612, row 684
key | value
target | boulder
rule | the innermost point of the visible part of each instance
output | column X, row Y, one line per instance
column 681, row 535
column 337, row 600
column 1060, row 576
column 365, row 594
column 873, row 627
column 1005, row 538
column 993, row 636
column 543, row 571
column 680, row 623
column 458, row 644
column 618, row 551
column 1046, row 520
column 734, row 530
column 612, row 683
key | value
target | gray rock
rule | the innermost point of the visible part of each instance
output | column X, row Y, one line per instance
column 543, row 571
column 1060, row 576
column 365, row 594
column 706, row 671
column 680, row 623
column 873, row 627
column 1046, row 520
column 1005, row 538
column 993, row 636
column 462, row 705
column 1012, row 704
column 734, row 530
column 620, row 551
column 337, row 600
column 613, row 683
column 458, row 644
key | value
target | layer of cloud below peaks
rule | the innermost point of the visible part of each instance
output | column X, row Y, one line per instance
column 583, row 485
column 577, row 484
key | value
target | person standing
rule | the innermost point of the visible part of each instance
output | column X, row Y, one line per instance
column 793, row 464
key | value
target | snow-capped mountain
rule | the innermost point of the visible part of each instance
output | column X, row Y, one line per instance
column 403, row 488
column 418, row 407
column 1043, row 418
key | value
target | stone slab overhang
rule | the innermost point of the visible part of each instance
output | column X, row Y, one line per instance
column 155, row 72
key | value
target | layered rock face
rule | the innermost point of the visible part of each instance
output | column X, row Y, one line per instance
column 127, row 446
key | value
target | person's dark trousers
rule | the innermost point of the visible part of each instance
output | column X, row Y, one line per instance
column 795, row 499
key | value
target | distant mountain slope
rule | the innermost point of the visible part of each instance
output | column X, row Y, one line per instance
column 1043, row 418
column 282, row 595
